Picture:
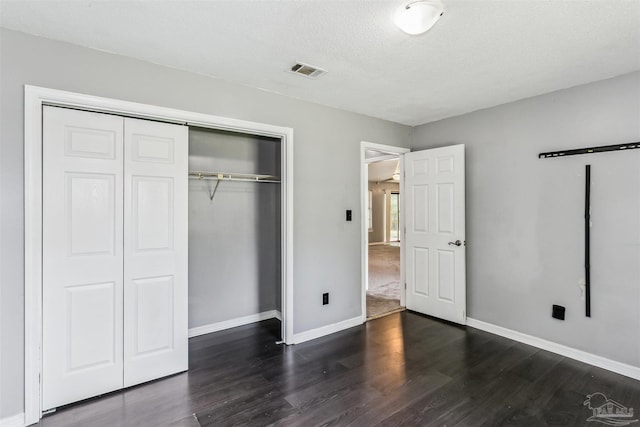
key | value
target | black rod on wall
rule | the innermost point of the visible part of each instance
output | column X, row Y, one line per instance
column 587, row 240
column 590, row 150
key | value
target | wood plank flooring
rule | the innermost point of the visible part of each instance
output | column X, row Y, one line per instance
column 401, row 370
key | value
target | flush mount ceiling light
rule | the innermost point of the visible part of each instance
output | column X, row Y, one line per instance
column 419, row 16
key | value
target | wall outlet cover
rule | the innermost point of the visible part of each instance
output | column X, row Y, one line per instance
column 557, row 312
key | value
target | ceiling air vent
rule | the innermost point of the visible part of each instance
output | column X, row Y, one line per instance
column 307, row 70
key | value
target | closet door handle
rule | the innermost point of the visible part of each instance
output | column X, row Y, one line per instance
column 456, row 243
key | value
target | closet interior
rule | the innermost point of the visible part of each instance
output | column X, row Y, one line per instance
column 234, row 228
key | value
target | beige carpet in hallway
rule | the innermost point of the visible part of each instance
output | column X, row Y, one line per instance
column 383, row 296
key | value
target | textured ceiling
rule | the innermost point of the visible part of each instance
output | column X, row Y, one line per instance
column 480, row 54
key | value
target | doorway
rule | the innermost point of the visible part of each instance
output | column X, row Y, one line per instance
column 383, row 274
column 432, row 228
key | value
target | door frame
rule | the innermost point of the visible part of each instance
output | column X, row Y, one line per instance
column 34, row 99
column 389, row 152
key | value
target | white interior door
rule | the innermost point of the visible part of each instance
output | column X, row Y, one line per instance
column 155, row 250
column 82, row 255
column 435, row 232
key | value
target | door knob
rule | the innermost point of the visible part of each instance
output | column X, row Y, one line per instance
column 456, row 243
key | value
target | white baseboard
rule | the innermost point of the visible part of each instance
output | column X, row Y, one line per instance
column 232, row 323
column 563, row 350
column 13, row 421
column 326, row 330
column 377, row 243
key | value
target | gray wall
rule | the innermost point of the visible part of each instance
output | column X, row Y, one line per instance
column 327, row 248
column 378, row 209
column 234, row 239
column 525, row 215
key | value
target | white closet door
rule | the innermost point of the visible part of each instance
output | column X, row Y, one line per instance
column 82, row 255
column 155, row 250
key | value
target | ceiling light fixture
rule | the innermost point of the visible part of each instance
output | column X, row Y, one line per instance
column 419, row 16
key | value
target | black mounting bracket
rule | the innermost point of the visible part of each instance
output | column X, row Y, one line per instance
column 587, row 240
column 590, row 150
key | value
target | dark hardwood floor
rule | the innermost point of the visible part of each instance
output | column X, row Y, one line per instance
column 403, row 369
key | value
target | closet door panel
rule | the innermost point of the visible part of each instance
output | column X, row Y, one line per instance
column 82, row 255
column 153, row 308
column 153, row 206
column 155, row 253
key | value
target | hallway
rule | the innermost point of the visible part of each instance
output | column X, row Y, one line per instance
column 383, row 295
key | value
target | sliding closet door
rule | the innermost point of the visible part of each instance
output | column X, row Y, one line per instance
column 82, row 255
column 155, row 250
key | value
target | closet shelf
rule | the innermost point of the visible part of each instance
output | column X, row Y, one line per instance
column 226, row 176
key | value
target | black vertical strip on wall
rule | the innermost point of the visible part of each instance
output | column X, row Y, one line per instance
column 587, row 240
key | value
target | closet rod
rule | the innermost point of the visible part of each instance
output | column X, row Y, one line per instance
column 226, row 176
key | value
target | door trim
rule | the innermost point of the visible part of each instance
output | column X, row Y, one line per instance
column 389, row 151
column 34, row 98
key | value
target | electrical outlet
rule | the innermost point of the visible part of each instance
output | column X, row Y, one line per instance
column 348, row 214
column 325, row 298
column 557, row 312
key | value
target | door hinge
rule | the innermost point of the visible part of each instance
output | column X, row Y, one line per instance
column 405, row 285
